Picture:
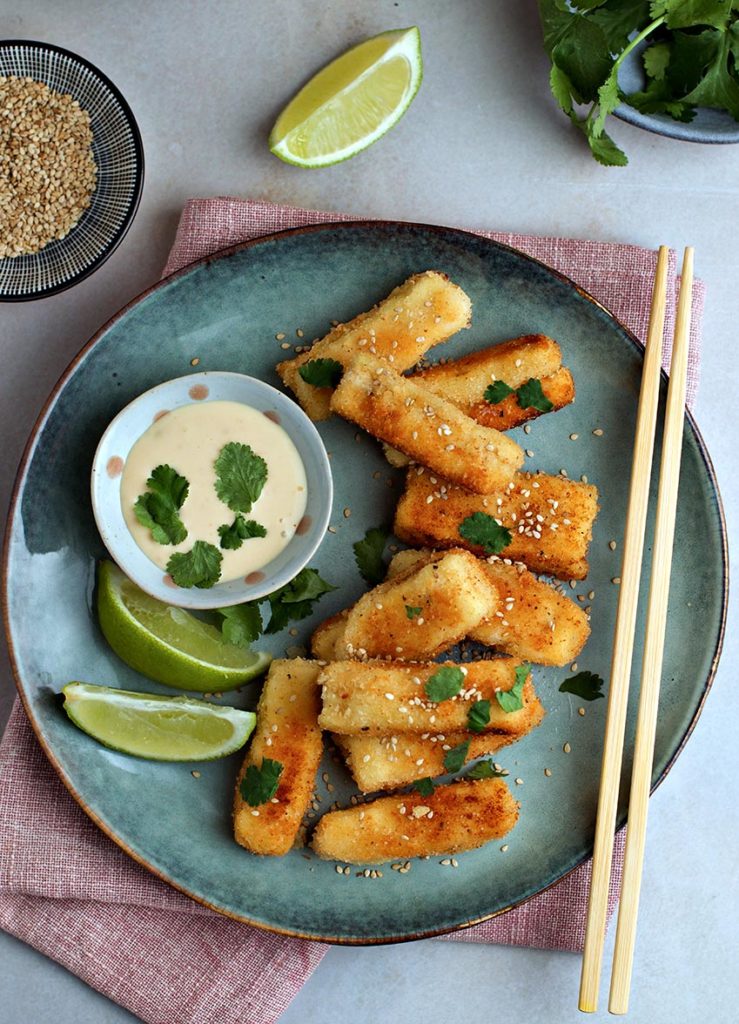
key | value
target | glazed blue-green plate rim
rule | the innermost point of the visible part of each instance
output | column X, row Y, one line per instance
column 464, row 240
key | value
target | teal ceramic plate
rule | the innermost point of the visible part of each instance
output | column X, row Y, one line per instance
column 226, row 312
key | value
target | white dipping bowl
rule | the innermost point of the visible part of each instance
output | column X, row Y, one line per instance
column 137, row 417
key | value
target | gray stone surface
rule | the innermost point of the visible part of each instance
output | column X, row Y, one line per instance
column 482, row 146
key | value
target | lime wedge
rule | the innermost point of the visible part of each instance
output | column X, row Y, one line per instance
column 169, row 644
column 159, row 728
column 351, row 102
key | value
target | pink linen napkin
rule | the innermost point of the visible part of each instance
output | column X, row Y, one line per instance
column 68, row 890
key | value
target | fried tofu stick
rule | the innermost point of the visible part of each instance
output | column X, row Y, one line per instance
column 423, row 311
column 328, row 638
column 533, row 621
column 379, row 698
column 550, row 518
column 430, row 430
column 454, row 818
column 463, row 381
column 389, row 762
column 453, row 593
column 287, row 731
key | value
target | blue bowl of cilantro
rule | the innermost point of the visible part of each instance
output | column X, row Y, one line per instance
column 669, row 66
column 252, row 486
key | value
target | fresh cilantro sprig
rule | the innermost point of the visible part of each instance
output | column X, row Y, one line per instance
column 478, row 717
column 368, row 554
column 690, row 60
column 530, row 395
column 233, row 536
column 445, row 683
column 259, row 785
column 158, row 508
column 322, row 373
column 485, row 770
column 240, row 476
column 242, row 624
column 456, row 757
column 512, row 700
column 199, row 567
column 585, row 685
column 412, row 611
column 424, row 786
column 483, row 531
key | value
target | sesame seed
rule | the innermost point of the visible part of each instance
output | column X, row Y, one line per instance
column 548, row 772
column 519, row 782
column 581, row 712
column 584, row 479
column 194, row 361
column 616, row 580
column 285, row 345
column 567, row 748
column 366, row 758
column 598, row 432
column 299, row 333
column 591, row 595
column 573, row 666
column 446, row 862
column 255, row 814
column 280, row 337
column 574, row 437
column 504, row 848
column 529, row 453
column 527, row 428
column 612, row 545
column 347, row 870
column 563, row 472
column 195, row 774
column 332, row 529
column 389, row 696
column 347, row 513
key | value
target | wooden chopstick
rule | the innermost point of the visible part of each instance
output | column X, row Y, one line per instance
column 646, row 723
column 623, row 644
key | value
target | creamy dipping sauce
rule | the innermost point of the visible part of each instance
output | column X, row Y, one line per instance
column 190, row 439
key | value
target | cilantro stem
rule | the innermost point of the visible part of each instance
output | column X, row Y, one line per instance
column 621, row 58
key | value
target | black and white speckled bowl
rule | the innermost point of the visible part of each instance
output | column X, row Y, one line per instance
column 119, row 155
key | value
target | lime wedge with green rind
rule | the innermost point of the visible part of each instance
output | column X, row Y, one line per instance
column 168, row 644
column 155, row 727
column 351, row 102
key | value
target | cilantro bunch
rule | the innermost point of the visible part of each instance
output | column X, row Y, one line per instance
column 690, row 59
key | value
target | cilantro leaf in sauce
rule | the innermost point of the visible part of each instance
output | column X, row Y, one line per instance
column 233, row 536
column 240, row 476
column 158, row 508
column 200, row 567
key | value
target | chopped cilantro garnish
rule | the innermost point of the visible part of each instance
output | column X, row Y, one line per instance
column 586, row 685
column 512, row 700
column 444, row 683
column 200, row 567
column 413, row 611
column 484, row 770
column 260, row 784
column 242, row 623
column 368, row 554
column 157, row 509
column 456, row 757
column 240, row 476
column 321, row 373
column 478, row 716
column 233, row 536
column 295, row 600
column 424, row 786
column 483, row 531
column 531, row 396
column 497, row 391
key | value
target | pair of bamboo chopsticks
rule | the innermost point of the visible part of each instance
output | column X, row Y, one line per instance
column 623, row 646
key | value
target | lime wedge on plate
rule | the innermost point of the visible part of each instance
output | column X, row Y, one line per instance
column 169, row 644
column 159, row 728
column 351, row 102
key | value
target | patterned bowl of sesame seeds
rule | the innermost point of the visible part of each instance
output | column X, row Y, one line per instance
column 71, row 169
